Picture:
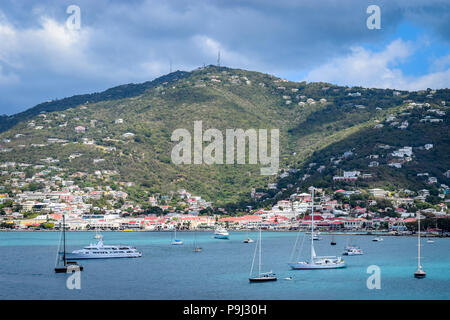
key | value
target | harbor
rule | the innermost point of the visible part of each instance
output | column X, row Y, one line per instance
column 221, row 270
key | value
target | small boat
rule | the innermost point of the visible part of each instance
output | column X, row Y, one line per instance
column 264, row 277
column 97, row 235
column 420, row 273
column 333, row 243
column 68, row 266
column 221, row 233
column 248, row 239
column 261, row 277
column 315, row 236
column 317, row 262
column 175, row 241
column 352, row 251
column 288, row 278
column 430, row 241
column 377, row 239
column 196, row 247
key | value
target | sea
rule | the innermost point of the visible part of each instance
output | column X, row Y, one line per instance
column 221, row 271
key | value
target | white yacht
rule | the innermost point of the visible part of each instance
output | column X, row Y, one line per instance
column 377, row 239
column 261, row 276
column 221, row 233
column 101, row 251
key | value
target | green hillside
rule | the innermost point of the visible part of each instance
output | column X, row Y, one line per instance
column 311, row 130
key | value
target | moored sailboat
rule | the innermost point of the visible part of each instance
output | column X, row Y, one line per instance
column 420, row 273
column 67, row 266
column 175, row 241
column 221, row 233
column 248, row 239
column 317, row 262
column 196, row 247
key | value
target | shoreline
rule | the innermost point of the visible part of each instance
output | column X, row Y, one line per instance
column 361, row 233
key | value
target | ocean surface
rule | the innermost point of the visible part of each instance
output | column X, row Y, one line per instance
column 221, row 271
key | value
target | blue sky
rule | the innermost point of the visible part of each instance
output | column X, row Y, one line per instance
column 134, row 41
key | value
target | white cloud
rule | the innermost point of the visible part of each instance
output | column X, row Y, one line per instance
column 363, row 67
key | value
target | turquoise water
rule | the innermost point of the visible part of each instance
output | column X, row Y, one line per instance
column 221, row 271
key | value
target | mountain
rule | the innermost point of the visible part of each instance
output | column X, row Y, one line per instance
column 128, row 129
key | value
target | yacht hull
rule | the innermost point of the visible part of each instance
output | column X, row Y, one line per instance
column 262, row 279
column 75, row 256
column 309, row 266
column 68, row 269
column 420, row 274
column 221, row 236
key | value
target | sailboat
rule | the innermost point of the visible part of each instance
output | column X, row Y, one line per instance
column 317, row 262
column 261, row 277
column 68, row 266
column 377, row 239
column 333, row 242
column 196, row 247
column 175, row 241
column 97, row 234
column 248, row 239
column 420, row 273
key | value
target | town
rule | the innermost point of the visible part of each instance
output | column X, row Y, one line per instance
column 38, row 201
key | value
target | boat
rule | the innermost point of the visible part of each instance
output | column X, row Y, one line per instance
column 315, row 236
column 196, row 247
column 67, row 266
column 333, row 243
column 377, row 239
column 430, row 241
column 288, row 278
column 175, row 241
column 420, row 273
column 221, row 233
column 317, row 262
column 102, row 251
column 248, row 239
column 261, row 276
column 97, row 234
column 352, row 251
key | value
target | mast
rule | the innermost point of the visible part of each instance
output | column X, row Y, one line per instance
column 418, row 244
column 64, row 239
column 259, row 269
column 312, row 226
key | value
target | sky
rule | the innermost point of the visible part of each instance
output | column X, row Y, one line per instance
column 43, row 58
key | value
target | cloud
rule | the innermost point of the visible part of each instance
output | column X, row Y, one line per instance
column 134, row 41
column 370, row 69
column 8, row 79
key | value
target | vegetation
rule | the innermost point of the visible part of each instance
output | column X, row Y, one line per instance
column 317, row 122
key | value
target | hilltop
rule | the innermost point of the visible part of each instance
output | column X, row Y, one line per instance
column 127, row 129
